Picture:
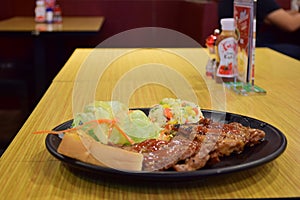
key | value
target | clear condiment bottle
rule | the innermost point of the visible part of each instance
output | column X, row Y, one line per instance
column 40, row 11
column 226, row 51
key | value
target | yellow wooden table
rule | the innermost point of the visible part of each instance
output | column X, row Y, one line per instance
column 28, row 171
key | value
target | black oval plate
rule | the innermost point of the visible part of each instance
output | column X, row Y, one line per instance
column 270, row 148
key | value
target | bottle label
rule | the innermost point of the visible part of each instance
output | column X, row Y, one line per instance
column 227, row 49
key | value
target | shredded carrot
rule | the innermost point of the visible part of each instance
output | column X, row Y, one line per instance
column 100, row 121
column 196, row 111
column 110, row 129
column 124, row 134
column 168, row 113
column 162, row 134
column 112, row 124
column 55, row 132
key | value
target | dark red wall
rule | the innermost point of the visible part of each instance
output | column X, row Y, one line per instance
column 120, row 15
column 6, row 9
column 285, row 4
column 123, row 15
column 194, row 19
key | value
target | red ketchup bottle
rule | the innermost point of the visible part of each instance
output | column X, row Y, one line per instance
column 210, row 41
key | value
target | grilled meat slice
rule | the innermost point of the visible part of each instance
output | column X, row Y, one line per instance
column 179, row 148
column 197, row 145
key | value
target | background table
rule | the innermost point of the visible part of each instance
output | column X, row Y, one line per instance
column 27, row 170
column 73, row 24
column 19, row 25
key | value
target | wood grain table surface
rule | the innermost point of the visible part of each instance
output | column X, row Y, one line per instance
column 29, row 171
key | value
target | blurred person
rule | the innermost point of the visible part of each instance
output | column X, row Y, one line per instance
column 277, row 28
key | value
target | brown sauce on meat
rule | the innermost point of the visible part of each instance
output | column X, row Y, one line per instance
column 148, row 145
column 194, row 145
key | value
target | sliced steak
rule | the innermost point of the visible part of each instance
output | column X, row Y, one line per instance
column 197, row 145
column 180, row 147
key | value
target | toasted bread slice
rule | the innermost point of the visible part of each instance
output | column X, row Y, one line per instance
column 86, row 149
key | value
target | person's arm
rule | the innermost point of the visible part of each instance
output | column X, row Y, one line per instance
column 284, row 20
